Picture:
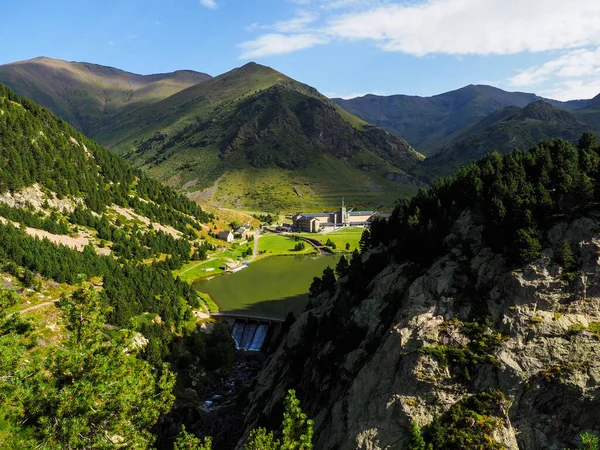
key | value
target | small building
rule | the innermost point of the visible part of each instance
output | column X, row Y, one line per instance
column 241, row 231
column 226, row 236
column 310, row 223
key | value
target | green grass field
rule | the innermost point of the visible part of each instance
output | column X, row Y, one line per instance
column 318, row 187
column 343, row 236
column 195, row 270
column 339, row 238
column 271, row 244
column 274, row 244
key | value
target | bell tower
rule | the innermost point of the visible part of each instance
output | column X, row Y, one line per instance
column 344, row 219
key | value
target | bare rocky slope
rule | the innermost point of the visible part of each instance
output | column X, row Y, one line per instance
column 548, row 373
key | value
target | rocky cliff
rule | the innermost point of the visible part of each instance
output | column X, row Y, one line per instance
column 476, row 352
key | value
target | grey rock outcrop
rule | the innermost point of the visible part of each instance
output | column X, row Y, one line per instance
column 364, row 388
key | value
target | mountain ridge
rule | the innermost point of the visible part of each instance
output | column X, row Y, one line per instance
column 254, row 120
column 430, row 123
column 89, row 95
column 502, row 131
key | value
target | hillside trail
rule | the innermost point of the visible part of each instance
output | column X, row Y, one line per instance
column 34, row 307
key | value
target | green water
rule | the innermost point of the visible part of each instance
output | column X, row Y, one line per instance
column 271, row 287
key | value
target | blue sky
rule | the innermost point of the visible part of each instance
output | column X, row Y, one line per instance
column 341, row 47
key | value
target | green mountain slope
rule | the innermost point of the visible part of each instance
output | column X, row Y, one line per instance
column 590, row 113
column 91, row 96
column 502, row 131
column 297, row 147
column 430, row 123
column 72, row 211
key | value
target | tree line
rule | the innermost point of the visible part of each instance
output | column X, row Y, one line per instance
column 515, row 198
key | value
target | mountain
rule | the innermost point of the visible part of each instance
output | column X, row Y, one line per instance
column 91, row 96
column 502, row 131
column 469, row 321
column 430, row 123
column 99, row 217
column 89, row 307
column 257, row 139
column 590, row 113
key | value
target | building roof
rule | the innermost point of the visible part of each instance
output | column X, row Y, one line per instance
column 241, row 230
column 224, row 233
column 382, row 216
column 361, row 213
column 314, row 215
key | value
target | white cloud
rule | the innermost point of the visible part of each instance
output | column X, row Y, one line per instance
column 572, row 75
column 211, row 4
column 483, row 27
column 574, row 64
column 341, row 4
column 573, row 90
column 254, row 26
column 422, row 28
column 278, row 44
column 456, row 27
column 297, row 24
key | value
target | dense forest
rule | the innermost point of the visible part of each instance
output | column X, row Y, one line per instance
column 93, row 391
column 515, row 198
column 40, row 149
column 104, row 378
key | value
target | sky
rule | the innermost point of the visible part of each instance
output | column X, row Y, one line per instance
column 344, row 48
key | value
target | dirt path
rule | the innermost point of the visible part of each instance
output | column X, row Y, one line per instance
column 206, row 195
column 34, row 307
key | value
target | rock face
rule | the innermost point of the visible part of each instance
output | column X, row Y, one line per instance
column 35, row 197
column 364, row 383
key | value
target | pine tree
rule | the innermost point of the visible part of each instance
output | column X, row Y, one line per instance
column 187, row 441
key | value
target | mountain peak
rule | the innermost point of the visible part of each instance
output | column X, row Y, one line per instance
column 253, row 67
column 542, row 110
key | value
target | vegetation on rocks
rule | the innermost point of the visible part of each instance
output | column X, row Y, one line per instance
column 516, row 196
column 480, row 344
column 399, row 333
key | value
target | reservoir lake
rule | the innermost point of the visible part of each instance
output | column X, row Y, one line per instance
column 271, row 287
